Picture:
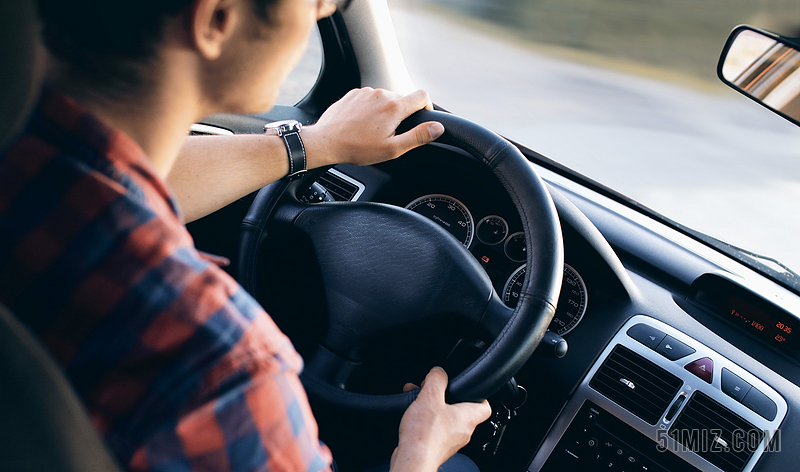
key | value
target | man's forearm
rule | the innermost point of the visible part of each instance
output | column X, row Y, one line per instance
column 213, row 171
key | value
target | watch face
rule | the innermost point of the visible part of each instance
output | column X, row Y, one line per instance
column 282, row 127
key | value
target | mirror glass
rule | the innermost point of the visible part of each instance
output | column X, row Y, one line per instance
column 765, row 69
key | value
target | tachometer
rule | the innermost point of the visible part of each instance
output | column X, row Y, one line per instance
column 451, row 214
column 571, row 300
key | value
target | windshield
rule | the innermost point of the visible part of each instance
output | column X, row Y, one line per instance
column 624, row 92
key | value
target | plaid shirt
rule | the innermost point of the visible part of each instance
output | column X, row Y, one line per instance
column 179, row 368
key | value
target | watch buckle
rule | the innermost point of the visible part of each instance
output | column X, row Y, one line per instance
column 296, row 175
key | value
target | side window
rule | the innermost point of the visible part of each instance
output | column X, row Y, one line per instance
column 304, row 75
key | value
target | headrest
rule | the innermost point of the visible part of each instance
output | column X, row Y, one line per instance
column 21, row 59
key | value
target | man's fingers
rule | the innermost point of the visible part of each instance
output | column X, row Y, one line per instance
column 435, row 382
column 420, row 134
column 484, row 411
column 475, row 413
column 409, row 387
column 414, row 101
column 417, row 136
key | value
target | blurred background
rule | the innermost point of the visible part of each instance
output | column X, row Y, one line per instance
column 624, row 92
column 680, row 35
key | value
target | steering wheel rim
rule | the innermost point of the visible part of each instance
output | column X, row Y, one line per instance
column 517, row 332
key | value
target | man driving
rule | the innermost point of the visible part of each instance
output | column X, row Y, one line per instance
column 179, row 368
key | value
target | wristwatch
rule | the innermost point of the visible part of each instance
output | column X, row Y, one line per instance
column 289, row 130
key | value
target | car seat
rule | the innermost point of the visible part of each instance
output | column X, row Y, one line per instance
column 43, row 425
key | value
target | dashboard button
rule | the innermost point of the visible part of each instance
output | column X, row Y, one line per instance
column 703, row 368
column 673, row 349
column 760, row 403
column 646, row 335
column 733, row 385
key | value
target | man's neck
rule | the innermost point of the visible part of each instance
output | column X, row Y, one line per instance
column 157, row 117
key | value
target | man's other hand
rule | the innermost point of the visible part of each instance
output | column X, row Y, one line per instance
column 431, row 431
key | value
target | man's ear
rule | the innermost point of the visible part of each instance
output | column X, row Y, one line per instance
column 212, row 23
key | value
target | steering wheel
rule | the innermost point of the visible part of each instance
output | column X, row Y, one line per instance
column 384, row 267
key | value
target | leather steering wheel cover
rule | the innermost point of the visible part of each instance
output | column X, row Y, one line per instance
column 342, row 399
column 538, row 295
column 545, row 258
column 253, row 230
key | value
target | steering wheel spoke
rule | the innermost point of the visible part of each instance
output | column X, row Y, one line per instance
column 496, row 316
column 385, row 267
column 330, row 367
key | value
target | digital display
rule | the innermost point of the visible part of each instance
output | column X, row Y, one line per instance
column 777, row 332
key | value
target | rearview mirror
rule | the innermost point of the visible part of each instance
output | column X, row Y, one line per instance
column 764, row 67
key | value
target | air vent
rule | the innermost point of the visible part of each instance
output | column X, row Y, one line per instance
column 717, row 434
column 341, row 187
column 635, row 383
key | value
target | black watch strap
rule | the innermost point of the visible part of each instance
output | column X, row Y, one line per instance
column 297, row 154
column 289, row 130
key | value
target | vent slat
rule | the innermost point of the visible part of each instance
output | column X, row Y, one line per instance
column 642, row 403
column 648, row 390
column 737, row 458
column 336, row 189
column 654, row 381
column 698, row 425
column 340, row 189
column 653, row 384
column 654, row 387
column 616, row 384
column 716, row 421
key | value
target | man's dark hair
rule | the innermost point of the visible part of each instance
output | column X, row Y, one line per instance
column 107, row 41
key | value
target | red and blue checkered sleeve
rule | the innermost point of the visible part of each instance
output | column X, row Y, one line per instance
column 257, row 419
column 179, row 368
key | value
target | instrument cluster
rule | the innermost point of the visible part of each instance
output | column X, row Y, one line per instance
column 502, row 254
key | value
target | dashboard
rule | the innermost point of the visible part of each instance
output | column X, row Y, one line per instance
column 675, row 362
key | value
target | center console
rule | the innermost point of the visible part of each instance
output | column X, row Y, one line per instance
column 659, row 401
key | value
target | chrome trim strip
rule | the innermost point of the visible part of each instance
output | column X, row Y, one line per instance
column 208, row 129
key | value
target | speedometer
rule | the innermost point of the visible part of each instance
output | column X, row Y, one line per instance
column 449, row 213
column 571, row 300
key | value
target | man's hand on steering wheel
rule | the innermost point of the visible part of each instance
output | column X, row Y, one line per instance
column 431, row 431
column 359, row 129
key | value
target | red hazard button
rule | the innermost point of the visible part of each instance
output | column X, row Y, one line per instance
column 703, row 368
